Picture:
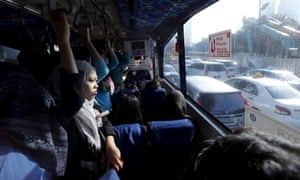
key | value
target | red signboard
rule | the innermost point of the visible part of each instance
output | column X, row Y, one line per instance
column 220, row 44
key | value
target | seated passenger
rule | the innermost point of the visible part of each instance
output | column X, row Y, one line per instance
column 174, row 106
column 128, row 110
column 248, row 154
column 129, row 88
column 152, row 98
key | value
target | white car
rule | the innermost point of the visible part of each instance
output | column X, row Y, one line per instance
column 282, row 75
column 210, row 68
column 230, row 65
column 274, row 98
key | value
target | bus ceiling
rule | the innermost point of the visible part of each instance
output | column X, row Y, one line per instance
column 128, row 20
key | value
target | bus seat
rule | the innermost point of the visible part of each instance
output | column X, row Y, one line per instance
column 151, row 102
column 172, row 132
column 132, row 142
column 171, row 143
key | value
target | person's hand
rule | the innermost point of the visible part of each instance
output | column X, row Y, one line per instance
column 60, row 24
column 84, row 31
column 110, row 43
column 111, row 85
column 113, row 154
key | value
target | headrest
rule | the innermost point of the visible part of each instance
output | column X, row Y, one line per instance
column 172, row 132
column 130, row 138
column 153, row 97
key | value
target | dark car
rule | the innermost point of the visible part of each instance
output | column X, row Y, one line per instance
column 223, row 101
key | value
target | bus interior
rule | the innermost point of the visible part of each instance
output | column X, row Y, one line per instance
column 154, row 33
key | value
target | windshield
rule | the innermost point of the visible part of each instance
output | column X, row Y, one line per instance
column 223, row 104
column 283, row 92
column 288, row 77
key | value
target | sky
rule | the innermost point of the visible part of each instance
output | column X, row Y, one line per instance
column 223, row 15
column 228, row 15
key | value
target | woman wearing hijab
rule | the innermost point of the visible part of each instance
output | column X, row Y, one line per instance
column 86, row 144
column 91, row 145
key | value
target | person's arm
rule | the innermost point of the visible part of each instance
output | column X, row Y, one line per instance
column 113, row 61
column 98, row 61
column 71, row 81
column 61, row 27
column 113, row 153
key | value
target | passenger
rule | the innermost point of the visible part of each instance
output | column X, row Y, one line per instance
column 118, row 73
column 152, row 98
column 129, row 88
column 85, row 149
column 248, row 154
column 107, row 86
column 174, row 106
column 128, row 110
column 30, row 122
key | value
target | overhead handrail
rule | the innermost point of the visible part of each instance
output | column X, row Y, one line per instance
column 25, row 31
column 52, row 5
column 82, row 17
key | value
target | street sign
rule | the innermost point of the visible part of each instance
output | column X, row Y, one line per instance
column 220, row 44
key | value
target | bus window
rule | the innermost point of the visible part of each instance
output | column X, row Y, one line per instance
column 261, row 34
column 171, row 62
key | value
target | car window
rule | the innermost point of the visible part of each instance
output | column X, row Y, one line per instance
column 169, row 69
column 197, row 65
column 225, row 103
column 282, row 92
column 288, row 77
column 215, row 67
column 249, row 88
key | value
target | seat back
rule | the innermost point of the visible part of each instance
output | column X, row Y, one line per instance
column 132, row 142
column 158, row 150
column 171, row 143
column 164, row 134
column 151, row 102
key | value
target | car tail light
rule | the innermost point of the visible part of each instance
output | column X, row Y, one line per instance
column 247, row 103
column 282, row 110
column 226, row 72
column 206, row 72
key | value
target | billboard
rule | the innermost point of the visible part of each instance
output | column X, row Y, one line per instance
column 220, row 44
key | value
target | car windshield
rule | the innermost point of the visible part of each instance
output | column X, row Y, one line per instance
column 192, row 71
column 283, row 92
column 169, row 69
column 288, row 77
column 226, row 103
column 215, row 67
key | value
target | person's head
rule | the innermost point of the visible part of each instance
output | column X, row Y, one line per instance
column 129, row 110
column 153, row 84
column 175, row 105
column 90, row 78
column 248, row 154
